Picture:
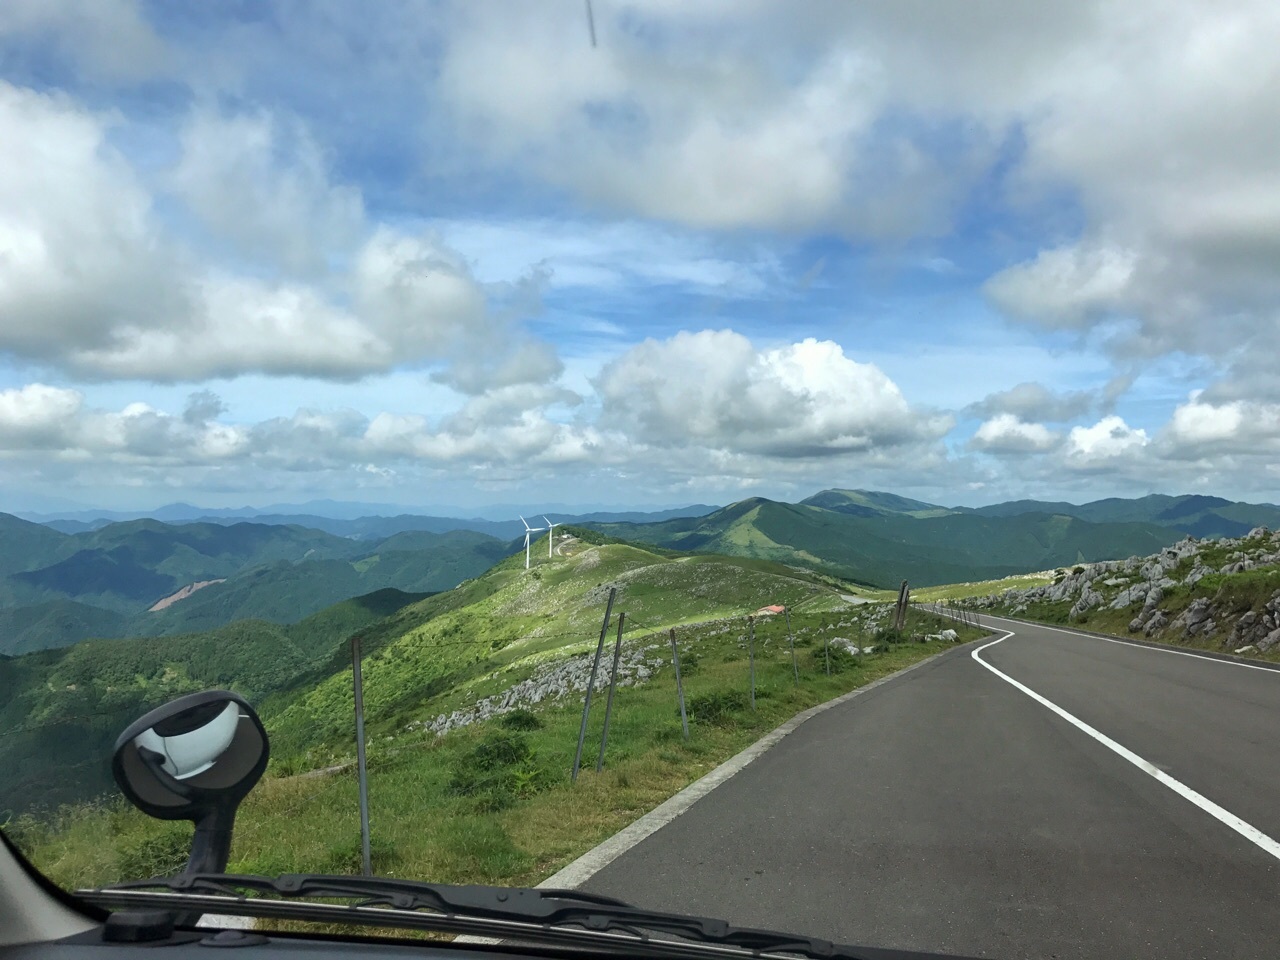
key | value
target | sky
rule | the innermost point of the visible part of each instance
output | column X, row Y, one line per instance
column 466, row 253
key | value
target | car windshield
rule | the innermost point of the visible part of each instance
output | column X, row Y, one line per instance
column 809, row 464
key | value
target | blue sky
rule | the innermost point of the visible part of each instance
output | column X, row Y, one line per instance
column 446, row 253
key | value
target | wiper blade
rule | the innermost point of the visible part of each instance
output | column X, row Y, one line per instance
column 542, row 910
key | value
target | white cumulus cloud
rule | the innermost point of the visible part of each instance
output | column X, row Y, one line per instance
column 716, row 389
column 1108, row 440
column 1202, row 428
column 1005, row 433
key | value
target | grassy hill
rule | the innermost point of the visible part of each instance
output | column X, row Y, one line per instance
column 422, row 655
column 884, row 549
column 499, row 627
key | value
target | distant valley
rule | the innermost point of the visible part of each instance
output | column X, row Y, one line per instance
column 57, row 588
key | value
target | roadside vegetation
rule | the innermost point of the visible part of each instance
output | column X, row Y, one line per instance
column 1221, row 595
column 492, row 802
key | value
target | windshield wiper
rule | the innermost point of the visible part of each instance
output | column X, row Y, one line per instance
column 503, row 911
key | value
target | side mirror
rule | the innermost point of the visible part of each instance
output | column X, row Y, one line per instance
column 194, row 759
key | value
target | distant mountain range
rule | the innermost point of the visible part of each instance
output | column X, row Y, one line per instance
column 66, row 580
column 880, row 538
column 57, row 588
column 330, row 514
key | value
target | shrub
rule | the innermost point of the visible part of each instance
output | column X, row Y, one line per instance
column 497, row 750
column 885, row 635
column 521, row 719
column 500, row 769
column 717, row 708
column 841, row 660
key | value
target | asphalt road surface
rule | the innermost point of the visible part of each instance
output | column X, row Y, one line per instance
column 949, row 810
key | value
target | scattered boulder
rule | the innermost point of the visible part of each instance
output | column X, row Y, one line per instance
column 1197, row 619
column 1089, row 598
column 1129, row 596
column 1198, row 573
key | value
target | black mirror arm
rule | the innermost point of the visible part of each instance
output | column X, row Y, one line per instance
column 211, row 845
column 210, row 851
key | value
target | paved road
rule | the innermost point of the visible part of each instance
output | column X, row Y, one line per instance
column 948, row 810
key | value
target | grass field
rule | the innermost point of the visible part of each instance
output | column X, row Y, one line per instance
column 493, row 803
column 981, row 588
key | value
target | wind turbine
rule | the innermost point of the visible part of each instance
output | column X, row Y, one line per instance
column 528, row 530
column 551, row 534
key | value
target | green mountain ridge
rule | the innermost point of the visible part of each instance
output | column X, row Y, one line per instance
column 1191, row 514
column 873, row 503
column 882, row 550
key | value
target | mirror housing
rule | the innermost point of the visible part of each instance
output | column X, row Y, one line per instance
column 195, row 758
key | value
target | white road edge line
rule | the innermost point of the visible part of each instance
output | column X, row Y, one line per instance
column 1142, row 646
column 1249, row 832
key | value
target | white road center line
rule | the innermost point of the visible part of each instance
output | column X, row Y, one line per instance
column 1249, row 832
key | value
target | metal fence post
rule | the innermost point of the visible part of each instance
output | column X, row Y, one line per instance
column 751, row 653
column 900, row 611
column 613, row 682
column 586, row 707
column 791, row 642
column 675, row 657
column 362, row 772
